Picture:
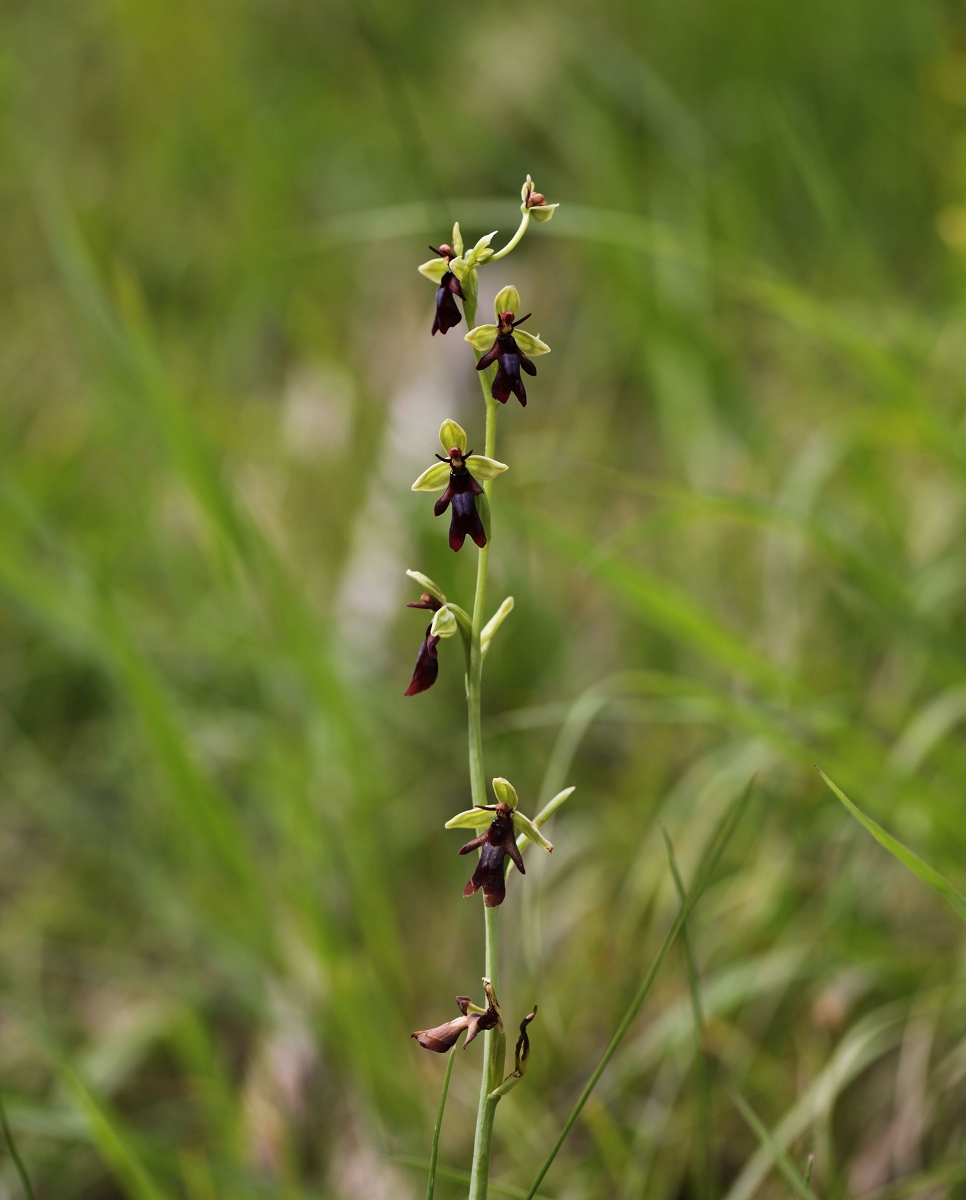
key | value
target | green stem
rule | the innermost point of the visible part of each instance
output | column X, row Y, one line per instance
column 494, row 1051
column 494, row 1040
column 514, row 241
column 434, row 1154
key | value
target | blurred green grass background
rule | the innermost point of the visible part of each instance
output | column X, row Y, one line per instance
column 733, row 528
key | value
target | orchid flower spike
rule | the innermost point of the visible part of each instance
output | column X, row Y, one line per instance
column 501, row 823
column 460, row 473
column 508, row 346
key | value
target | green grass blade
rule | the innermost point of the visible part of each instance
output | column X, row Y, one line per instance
column 666, row 606
column 717, row 848
column 778, row 1155
column 702, row 1064
column 434, row 1153
column 907, row 857
column 15, row 1153
column 111, row 1142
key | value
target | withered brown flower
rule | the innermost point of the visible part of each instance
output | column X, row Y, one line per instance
column 473, row 1020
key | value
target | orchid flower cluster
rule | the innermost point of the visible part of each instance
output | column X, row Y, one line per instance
column 503, row 353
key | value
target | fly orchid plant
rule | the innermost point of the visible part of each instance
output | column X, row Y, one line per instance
column 502, row 350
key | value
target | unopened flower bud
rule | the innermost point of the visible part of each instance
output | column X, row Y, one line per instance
column 535, row 203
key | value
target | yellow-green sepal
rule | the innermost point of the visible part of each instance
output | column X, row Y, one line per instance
column 542, row 212
column 505, row 792
column 473, row 818
column 529, row 343
column 457, row 239
column 450, row 435
column 482, row 337
column 481, row 467
column 507, row 300
column 480, row 252
column 428, row 585
column 494, row 623
column 435, row 269
column 524, row 825
column 433, row 479
column 444, row 623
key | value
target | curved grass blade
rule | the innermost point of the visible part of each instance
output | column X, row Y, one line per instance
column 434, row 1153
column 778, row 1156
column 14, row 1153
column 112, row 1142
column 717, row 848
column 705, row 1185
column 929, row 875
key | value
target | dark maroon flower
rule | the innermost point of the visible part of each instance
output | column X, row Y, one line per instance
column 444, row 1037
column 510, row 360
column 461, row 492
column 447, row 313
column 494, row 845
column 427, row 664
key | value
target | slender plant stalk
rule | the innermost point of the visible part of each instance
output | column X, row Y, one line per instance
column 511, row 245
column 434, row 1153
column 718, row 845
column 14, row 1153
column 494, row 1040
column 702, row 1063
